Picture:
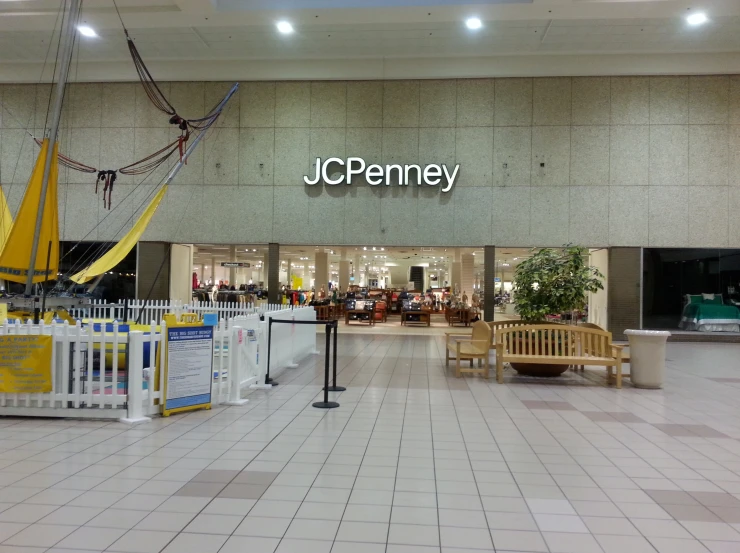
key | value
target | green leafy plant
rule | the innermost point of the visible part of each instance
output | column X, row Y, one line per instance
column 552, row 282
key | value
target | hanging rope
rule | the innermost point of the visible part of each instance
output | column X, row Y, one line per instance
column 157, row 158
column 161, row 156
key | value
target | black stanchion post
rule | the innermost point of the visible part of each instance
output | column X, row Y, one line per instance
column 269, row 380
column 335, row 388
column 125, row 310
column 326, row 404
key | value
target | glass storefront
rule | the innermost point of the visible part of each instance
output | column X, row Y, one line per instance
column 672, row 276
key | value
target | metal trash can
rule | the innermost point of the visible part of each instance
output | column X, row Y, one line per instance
column 647, row 357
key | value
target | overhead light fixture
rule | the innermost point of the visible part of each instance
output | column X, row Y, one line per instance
column 697, row 18
column 473, row 23
column 87, row 31
column 284, row 27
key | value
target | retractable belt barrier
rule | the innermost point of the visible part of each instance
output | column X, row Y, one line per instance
column 330, row 326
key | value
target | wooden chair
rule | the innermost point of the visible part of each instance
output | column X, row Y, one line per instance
column 380, row 312
column 470, row 346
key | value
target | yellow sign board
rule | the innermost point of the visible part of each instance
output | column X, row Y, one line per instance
column 3, row 312
column 25, row 364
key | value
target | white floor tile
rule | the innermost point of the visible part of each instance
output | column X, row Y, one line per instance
column 411, row 534
column 91, row 538
column 242, row 544
column 142, row 541
column 367, row 532
column 196, row 543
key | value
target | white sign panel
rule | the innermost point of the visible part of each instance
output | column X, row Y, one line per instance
column 189, row 366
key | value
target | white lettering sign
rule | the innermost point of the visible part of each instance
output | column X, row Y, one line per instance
column 431, row 175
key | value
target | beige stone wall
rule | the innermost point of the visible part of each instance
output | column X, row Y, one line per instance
column 628, row 161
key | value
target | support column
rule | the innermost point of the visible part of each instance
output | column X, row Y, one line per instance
column 273, row 272
column 232, row 270
column 213, row 271
column 356, row 269
column 489, row 277
column 265, row 265
column 456, row 273
column 343, row 271
column 288, row 273
column 153, row 270
column 344, row 274
column 624, row 289
column 467, row 276
column 322, row 272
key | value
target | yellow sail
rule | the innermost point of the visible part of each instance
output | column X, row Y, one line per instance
column 16, row 254
column 6, row 219
column 118, row 252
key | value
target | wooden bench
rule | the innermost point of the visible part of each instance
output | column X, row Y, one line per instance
column 499, row 325
column 469, row 347
column 625, row 354
column 554, row 344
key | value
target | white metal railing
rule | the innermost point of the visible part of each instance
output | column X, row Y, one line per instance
column 103, row 371
column 148, row 312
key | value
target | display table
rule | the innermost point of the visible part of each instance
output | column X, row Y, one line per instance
column 358, row 312
column 416, row 317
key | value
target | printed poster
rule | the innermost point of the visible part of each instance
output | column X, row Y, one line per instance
column 25, row 364
column 189, row 367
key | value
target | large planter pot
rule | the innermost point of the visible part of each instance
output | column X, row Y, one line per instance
column 539, row 369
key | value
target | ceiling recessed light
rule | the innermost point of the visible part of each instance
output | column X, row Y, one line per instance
column 87, row 31
column 696, row 18
column 284, row 27
column 473, row 23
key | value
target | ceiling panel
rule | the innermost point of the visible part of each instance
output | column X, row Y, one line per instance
column 182, row 30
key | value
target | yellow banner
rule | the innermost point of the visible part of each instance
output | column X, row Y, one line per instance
column 16, row 253
column 6, row 219
column 118, row 252
column 25, row 364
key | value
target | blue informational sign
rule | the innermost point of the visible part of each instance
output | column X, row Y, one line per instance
column 496, row 279
column 189, row 375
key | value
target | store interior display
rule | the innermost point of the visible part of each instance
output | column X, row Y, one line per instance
column 691, row 289
column 710, row 313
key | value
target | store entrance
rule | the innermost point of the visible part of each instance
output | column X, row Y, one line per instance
column 401, row 285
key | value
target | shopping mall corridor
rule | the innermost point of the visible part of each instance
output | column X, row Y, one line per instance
column 413, row 461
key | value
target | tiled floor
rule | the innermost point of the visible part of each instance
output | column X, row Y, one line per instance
column 413, row 461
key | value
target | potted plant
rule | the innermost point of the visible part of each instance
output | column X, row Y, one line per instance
column 553, row 282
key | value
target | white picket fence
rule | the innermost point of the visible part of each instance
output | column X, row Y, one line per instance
column 148, row 312
column 87, row 385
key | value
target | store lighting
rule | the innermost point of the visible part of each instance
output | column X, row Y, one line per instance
column 473, row 23
column 285, row 27
column 697, row 18
column 87, row 31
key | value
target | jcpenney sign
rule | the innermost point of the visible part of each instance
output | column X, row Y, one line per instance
column 431, row 175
